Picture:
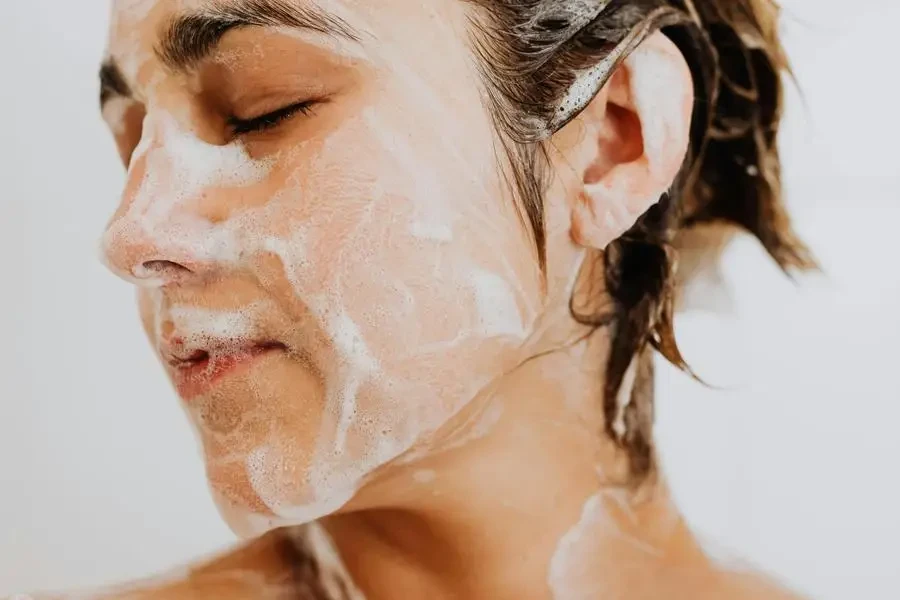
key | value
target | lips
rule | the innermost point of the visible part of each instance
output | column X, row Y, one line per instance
column 195, row 371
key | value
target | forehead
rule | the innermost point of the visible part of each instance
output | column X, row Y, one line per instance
column 136, row 26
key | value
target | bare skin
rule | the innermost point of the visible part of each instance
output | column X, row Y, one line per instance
column 351, row 309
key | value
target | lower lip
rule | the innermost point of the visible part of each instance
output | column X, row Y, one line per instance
column 199, row 378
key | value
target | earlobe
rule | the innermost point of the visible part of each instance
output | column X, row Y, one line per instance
column 639, row 142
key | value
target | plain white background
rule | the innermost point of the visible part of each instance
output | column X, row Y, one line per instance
column 792, row 464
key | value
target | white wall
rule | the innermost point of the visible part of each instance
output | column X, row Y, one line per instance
column 791, row 465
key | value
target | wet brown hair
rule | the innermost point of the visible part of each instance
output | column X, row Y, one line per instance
column 532, row 51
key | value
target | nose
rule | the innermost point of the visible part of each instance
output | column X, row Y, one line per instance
column 158, row 234
column 151, row 254
column 154, row 249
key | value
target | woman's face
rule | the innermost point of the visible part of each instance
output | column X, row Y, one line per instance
column 330, row 283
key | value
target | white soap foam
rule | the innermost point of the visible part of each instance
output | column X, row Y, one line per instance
column 433, row 217
column 357, row 364
column 333, row 478
column 437, row 232
column 179, row 166
column 573, row 573
column 134, row 10
column 585, row 87
column 144, row 144
column 197, row 323
column 197, row 164
column 264, row 464
column 497, row 309
column 568, row 562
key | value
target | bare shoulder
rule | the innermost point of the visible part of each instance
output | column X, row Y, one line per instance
column 262, row 569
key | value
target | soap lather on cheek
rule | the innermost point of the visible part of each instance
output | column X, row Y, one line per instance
column 357, row 439
column 307, row 474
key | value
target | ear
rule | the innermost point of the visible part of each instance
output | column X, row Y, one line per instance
column 638, row 129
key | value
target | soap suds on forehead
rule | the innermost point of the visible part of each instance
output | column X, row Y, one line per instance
column 125, row 36
column 134, row 9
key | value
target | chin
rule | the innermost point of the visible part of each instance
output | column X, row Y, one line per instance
column 250, row 512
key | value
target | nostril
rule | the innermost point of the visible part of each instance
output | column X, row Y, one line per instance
column 163, row 265
column 160, row 268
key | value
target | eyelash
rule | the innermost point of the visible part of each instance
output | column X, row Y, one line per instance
column 269, row 120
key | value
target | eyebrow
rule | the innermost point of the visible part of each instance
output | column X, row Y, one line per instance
column 112, row 82
column 191, row 37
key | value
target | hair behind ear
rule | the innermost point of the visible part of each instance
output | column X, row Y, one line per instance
column 731, row 179
column 531, row 55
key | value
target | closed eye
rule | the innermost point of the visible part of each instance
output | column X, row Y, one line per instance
column 269, row 120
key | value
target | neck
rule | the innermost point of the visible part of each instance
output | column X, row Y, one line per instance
column 522, row 496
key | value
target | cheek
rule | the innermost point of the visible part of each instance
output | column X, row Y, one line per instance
column 402, row 253
column 409, row 284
